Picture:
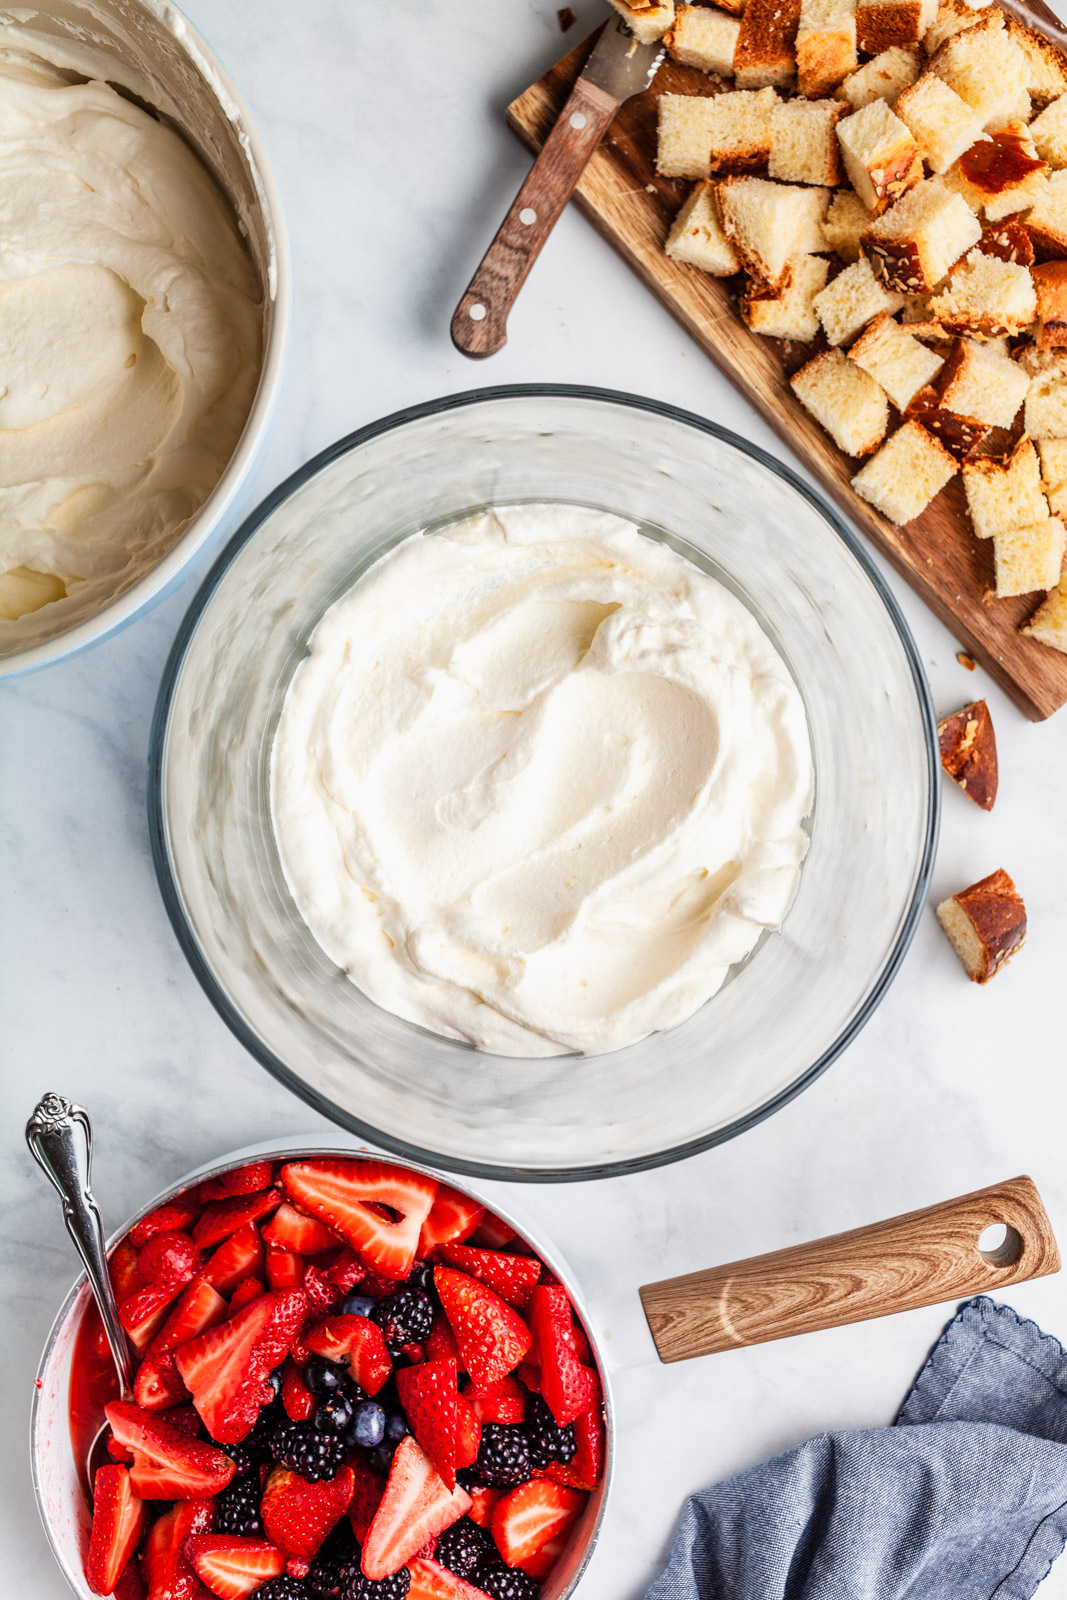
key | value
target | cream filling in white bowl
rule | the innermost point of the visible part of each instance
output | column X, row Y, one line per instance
column 130, row 334
column 540, row 782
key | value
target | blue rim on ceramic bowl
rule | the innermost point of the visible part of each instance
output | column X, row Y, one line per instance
column 346, row 1117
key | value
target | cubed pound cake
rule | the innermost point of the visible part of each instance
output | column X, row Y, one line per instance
column 1048, row 625
column 1046, row 223
column 985, row 923
column 1000, row 174
column 895, row 359
column 704, row 37
column 1002, row 495
column 685, row 124
column 765, row 222
column 914, row 243
column 957, row 16
column 1053, row 453
column 883, row 23
column 697, row 238
column 825, row 45
column 988, row 70
column 942, row 125
column 906, row 474
column 1049, row 133
column 881, row 156
column 765, row 53
column 846, row 219
column 986, row 297
column 804, row 145
column 854, row 297
column 1029, row 558
column 1045, row 414
column 844, row 400
column 980, row 381
column 883, row 78
column 1046, row 64
column 704, row 134
column 790, row 314
column 647, row 23
column 1050, row 285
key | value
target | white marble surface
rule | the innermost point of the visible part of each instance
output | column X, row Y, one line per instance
column 395, row 164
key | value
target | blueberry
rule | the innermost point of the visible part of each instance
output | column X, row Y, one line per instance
column 421, row 1275
column 275, row 1380
column 396, row 1426
column 333, row 1415
column 357, row 1305
column 368, row 1426
column 381, row 1458
column 322, row 1377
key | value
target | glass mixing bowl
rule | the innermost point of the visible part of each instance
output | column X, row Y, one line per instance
column 782, row 1016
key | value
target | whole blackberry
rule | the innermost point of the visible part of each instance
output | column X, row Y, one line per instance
column 548, row 1441
column 405, row 1317
column 327, row 1571
column 503, row 1583
column 237, row 1508
column 462, row 1546
column 354, row 1586
column 503, row 1456
column 283, row 1588
column 301, row 1448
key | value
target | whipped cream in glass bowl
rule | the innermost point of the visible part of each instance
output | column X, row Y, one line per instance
column 540, row 782
column 663, row 478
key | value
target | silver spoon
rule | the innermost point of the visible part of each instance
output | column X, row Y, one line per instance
column 60, row 1137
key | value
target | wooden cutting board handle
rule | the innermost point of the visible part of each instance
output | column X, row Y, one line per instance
column 914, row 1260
column 479, row 326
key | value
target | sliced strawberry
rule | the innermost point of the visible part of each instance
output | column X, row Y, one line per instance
column 131, row 1586
column 540, row 1564
column 168, row 1258
column 239, row 1256
column 492, row 1338
column 158, row 1385
column 289, row 1229
column 166, row 1464
column 145, row 1312
column 586, row 1465
column 232, row 1567
column 493, row 1234
column 284, row 1269
column 530, row 1375
column 568, row 1387
column 355, row 1342
column 415, row 1507
column 453, row 1217
column 118, row 1523
column 222, row 1218
column 200, row 1307
column 513, row 1277
column 428, row 1395
column 297, row 1566
column 503, row 1401
column 226, row 1368
column 119, row 1452
column 247, row 1290
column 173, row 1217
column 431, row 1581
column 346, row 1271
column 242, row 1180
column 298, row 1515
column 468, row 1432
column 297, row 1398
column 123, row 1271
column 441, row 1342
column 163, row 1565
column 527, row 1517
column 483, row 1504
column 340, row 1193
column 366, row 1498
column 323, row 1294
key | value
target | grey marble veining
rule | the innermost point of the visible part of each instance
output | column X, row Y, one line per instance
column 395, row 167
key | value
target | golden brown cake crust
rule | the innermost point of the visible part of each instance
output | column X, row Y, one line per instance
column 969, row 752
column 995, row 910
column 1050, row 281
column 880, row 26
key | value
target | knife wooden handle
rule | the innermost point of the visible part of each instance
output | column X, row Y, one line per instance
column 479, row 326
column 909, row 1261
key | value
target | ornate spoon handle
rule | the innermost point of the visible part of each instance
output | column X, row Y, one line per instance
column 60, row 1137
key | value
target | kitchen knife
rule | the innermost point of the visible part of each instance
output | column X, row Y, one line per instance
column 617, row 68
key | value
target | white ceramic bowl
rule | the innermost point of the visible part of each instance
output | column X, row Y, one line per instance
column 149, row 49
column 56, row 1475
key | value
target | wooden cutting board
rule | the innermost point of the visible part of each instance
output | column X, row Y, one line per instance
column 938, row 554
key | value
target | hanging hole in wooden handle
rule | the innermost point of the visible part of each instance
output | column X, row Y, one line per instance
column 1000, row 1244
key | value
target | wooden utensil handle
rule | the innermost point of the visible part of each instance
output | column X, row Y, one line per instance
column 479, row 326
column 909, row 1261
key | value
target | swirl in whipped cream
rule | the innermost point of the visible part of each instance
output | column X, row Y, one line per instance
column 540, row 782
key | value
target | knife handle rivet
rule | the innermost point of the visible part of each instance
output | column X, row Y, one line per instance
column 476, row 313
column 578, row 119
column 527, row 216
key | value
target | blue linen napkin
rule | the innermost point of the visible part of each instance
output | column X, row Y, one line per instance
column 964, row 1498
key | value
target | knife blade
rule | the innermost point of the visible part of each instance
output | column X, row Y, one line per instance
column 617, row 68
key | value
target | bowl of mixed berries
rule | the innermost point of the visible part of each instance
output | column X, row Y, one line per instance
column 351, row 1381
